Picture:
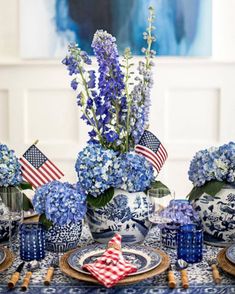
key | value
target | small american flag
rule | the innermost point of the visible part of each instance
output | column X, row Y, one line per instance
column 150, row 147
column 37, row 169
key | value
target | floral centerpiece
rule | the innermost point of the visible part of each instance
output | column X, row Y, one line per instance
column 61, row 207
column 10, row 169
column 115, row 103
column 212, row 172
column 11, row 185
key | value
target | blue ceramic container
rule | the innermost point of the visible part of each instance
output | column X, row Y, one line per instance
column 63, row 238
column 126, row 214
column 217, row 214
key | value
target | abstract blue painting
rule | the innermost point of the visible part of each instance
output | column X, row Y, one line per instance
column 183, row 27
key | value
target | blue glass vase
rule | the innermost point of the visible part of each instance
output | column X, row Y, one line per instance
column 32, row 241
column 190, row 243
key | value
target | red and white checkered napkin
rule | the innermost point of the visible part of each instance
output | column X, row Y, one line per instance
column 111, row 267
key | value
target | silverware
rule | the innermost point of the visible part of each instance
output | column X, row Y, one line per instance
column 50, row 271
column 215, row 272
column 15, row 277
column 31, row 266
column 181, row 265
column 171, row 278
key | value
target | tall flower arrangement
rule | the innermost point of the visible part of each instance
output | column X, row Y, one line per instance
column 116, row 108
column 115, row 103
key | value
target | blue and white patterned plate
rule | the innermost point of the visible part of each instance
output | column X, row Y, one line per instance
column 2, row 255
column 230, row 253
column 145, row 259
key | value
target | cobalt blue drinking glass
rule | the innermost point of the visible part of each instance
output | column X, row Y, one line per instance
column 190, row 243
column 32, row 241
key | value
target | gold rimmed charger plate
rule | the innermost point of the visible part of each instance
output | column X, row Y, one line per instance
column 7, row 261
column 224, row 263
column 65, row 268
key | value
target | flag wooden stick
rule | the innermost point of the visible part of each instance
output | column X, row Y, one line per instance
column 36, row 142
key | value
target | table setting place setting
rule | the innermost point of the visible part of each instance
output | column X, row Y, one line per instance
column 117, row 229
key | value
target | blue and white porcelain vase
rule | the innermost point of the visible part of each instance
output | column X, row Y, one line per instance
column 11, row 213
column 217, row 214
column 126, row 213
column 63, row 238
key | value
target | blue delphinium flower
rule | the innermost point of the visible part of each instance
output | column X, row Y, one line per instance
column 118, row 115
column 10, row 169
column 62, row 203
column 216, row 163
column 94, row 167
column 111, row 86
column 133, row 172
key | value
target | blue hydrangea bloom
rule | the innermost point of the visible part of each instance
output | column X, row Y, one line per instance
column 94, row 167
column 133, row 172
column 10, row 169
column 62, row 203
column 215, row 163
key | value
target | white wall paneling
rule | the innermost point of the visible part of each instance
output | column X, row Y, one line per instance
column 4, row 115
column 193, row 107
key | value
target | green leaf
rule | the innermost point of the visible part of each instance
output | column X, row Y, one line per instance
column 159, row 185
column 25, row 186
column 211, row 188
column 101, row 200
column 27, row 204
column 195, row 193
column 47, row 223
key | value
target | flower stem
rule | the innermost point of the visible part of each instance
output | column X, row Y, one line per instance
column 92, row 109
column 149, row 37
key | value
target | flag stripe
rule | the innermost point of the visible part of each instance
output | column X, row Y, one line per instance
column 37, row 168
column 52, row 169
column 163, row 152
column 29, row 180
column 48, row 172
column 44, row 170
column 32, row 170
column 26, row 171
column 60, row 172
column 149, row 150
column 160, row 155
column 45, row 176
column 152, row 162
column 153, row 155
column 149, row 156
column 33, row 176
column 150, row 147
column 29, row 170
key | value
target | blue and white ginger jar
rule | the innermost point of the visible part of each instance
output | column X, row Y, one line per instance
column 217, row 214
column 126, row 214
column 63, row 238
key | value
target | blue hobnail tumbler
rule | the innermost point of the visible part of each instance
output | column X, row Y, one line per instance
column 190, row 243
column 32, row 241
